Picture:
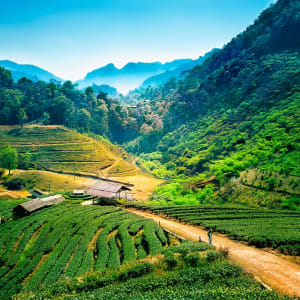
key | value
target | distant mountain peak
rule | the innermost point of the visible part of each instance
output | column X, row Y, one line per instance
column 131, row 76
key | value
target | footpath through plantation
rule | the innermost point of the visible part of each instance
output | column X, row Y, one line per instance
column 277, row 273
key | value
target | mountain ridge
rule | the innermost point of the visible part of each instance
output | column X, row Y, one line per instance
column 177, row 72
column 29, row 71
column 130, row 76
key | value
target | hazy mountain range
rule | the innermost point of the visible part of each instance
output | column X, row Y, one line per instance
column 113, row 79
column 177, row 72
column 32, row 72
column 131, row 76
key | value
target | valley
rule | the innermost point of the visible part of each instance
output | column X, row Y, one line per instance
column 117, row 196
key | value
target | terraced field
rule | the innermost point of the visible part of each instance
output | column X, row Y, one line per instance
column 60, row 149
column 67, row 241
column 261, row 228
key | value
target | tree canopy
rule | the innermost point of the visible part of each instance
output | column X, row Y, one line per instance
column 9, row 158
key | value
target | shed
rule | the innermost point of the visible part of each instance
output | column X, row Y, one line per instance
column 37, row 204
column 78, row 192
column 108, row 190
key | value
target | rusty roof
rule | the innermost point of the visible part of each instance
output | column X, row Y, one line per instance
column 109, row 186
column 102, row 194
column 106, row 189
column 38, row 203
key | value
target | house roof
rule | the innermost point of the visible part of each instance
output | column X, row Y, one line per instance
column 102, row 194
column 38, row 203
column 109, row 186
column 105, row 189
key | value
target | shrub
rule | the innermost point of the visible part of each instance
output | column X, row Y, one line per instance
column 15, row 184
column 192, row 260
column 258, row 241
column 188, row 246
column 136, row 271
column 214, row 256
column 93, row 282
column 170, row 261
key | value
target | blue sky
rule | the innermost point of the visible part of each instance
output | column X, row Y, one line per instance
column 73, row 37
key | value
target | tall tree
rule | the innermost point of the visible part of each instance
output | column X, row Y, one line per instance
column 9, row 158
column 22, row 117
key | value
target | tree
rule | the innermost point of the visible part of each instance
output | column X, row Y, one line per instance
column 22, row 117
column 5, row 78
column 59, row 110
column 5, row 114
column 46, row 118
column 9, row 158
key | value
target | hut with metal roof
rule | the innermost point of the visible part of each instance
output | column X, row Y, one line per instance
column 37, row 204
column 109, row 191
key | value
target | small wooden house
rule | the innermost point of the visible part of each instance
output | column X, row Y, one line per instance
column 37, row 204
column 109, row 191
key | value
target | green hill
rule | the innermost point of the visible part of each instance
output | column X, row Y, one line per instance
column 60, row 149
column 57, row 149
column 238, row 111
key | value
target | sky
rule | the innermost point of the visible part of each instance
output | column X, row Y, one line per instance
column 72, row 37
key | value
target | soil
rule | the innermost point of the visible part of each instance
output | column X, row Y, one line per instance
column 270, row 270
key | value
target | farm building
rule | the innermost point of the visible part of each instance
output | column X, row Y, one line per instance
column 109, row 191
column 37, row 204
column 78, row 192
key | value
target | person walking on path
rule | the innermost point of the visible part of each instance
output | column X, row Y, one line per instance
column 209, row 234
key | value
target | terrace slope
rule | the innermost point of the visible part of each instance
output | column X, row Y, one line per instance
column 58, row 149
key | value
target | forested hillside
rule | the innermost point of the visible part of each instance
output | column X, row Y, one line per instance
column 237, row 112
column 48, row 103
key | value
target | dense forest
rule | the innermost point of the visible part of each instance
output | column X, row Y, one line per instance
column 53, row 103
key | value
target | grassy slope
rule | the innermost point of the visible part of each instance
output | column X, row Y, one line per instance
column 60, row 149
column 203, row 280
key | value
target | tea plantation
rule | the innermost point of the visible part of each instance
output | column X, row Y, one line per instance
column 60, row 149
column 260, row 227
column 187, row 271
column 68, row 240
column 102, row 252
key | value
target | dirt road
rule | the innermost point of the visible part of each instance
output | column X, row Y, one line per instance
column 271, row 270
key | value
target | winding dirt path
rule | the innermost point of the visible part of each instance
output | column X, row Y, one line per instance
column 272, row 271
